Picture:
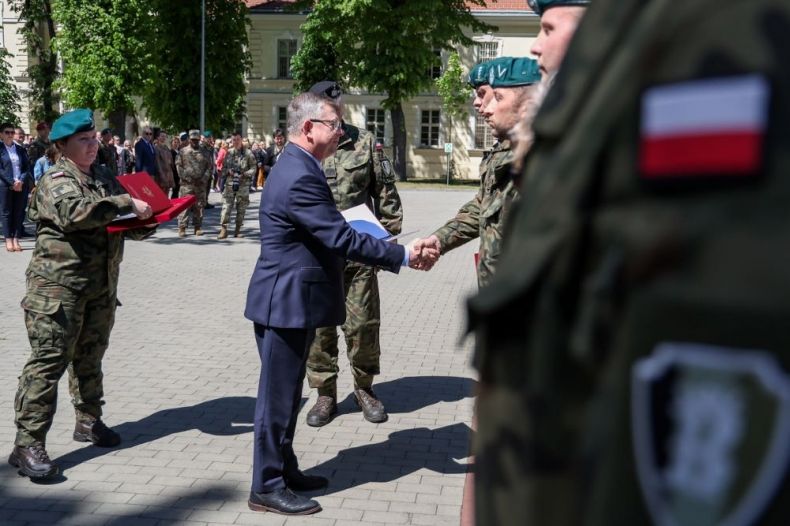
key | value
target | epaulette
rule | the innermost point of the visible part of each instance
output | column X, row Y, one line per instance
column 57, row 174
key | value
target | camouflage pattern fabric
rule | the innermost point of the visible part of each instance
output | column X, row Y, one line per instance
column 357, row 174
column 194, row 169
column 243, row 163
column 486, row 214
column 634, row 312
column 164, row 168
column 36, row 150
column 107, row 157
column 71, row 292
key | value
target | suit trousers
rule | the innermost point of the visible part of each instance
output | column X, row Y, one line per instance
column 283, row 354
column 13, row 205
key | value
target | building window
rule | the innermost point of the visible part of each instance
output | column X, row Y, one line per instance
column 286, row 49
column 282, row 118
column 429, row 127
column 484, row 139
column 487, row 51
column 435, row 71
column 375, row 124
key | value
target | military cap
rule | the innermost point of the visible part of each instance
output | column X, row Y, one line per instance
column 478, row 75
column 207, row 133
column 540, row 6
column 511, row 72
column 72, row 122
column 194, row 134
column 327, row 88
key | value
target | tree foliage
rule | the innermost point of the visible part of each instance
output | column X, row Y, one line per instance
column 9, row 97
column 38, row 29
column 105, row 52
column 453, row 88
column 383, row 46
column 172, row 96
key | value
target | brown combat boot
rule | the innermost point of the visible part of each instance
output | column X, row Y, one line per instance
column 198, row 231
column 372, row 408
column 324, row 410
column 182, row 231
column 237, row 232
column 96, row 432
column 33, row 461
column 223, row 232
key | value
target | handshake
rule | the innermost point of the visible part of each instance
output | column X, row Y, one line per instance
column 424, row 253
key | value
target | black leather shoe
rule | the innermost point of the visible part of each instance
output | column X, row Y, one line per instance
column 97, row 433
column 33, row 461
column 322, row 412
column 282, row 501
column 372, row 408
column 298, row 481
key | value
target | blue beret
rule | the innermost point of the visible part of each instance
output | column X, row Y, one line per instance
column 512, row 72
column 207, row 133
column 540, row 6
column 72, row 122
column 478, row 75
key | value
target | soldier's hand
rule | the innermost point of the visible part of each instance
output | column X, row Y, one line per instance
column 141, row 209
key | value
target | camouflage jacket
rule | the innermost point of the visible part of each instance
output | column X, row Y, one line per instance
column 72, row 210
column 240, row 162
column 358, row 174
column 485, row 215
column 194, row 165
column 108, row 158
column 164, row 166
column 36, row 150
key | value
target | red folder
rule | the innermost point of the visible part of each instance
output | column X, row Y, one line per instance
column 141, row 186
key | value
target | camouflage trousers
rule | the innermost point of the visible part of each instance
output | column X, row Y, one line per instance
column 240, row 200
column 68, row 330
column 196, row 210
column 361, row 329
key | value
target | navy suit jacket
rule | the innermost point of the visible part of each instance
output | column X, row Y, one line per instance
column 7, row 170
column 298, row 278
column 145, row 158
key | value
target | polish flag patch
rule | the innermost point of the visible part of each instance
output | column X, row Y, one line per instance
column 704, row 128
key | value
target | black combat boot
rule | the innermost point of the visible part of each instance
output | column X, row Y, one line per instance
column 372, row 408
column 96, row 432
column 324, row 410
column 33, row 461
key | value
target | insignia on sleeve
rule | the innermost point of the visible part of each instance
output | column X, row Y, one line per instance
column 710, row 428
column 710, row 127
column 62, row 191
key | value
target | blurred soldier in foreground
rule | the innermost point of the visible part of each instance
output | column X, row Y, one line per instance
column 70, row 303
column 238, row 170
column 358, row 174
column 509, row 81
column 632, row 362
column 194, row 170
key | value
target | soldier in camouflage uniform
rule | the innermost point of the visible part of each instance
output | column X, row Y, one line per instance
column 358, row 173
column 71, row 293
column 484, row 217
column 194, row 170
column 633, row 366
column 108, row 154
column 239, row 169
column 39, row 146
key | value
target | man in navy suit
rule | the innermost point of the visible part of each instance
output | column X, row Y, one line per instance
column 297, row 286
column 145, row 155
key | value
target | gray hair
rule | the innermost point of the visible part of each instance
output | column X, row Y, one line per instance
column 304, row 107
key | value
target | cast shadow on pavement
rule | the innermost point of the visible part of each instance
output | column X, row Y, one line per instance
column 412, row 393
column 403, row 453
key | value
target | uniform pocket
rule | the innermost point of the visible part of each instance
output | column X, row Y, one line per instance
column 41, row 304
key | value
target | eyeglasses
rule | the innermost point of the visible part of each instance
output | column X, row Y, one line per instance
column 333, row 124
column 8, row 132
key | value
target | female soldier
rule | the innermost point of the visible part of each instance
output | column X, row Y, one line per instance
column 71, row 287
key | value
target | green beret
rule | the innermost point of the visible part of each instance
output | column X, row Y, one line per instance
column 478, row 75
column 540, row 6
column 513, row 72
column 72, row 122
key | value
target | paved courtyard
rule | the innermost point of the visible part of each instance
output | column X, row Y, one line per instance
column 181, row 378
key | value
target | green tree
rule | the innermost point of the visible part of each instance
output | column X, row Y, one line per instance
column 9, row 97
column 38, row 30
column 105, row 54
column 455, row 92
column 383, row 46
column 172, row 96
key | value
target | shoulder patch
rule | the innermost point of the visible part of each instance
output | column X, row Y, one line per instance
column 63, row 190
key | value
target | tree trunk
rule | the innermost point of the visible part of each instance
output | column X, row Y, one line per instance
column 399, row 141
column 118, row 123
